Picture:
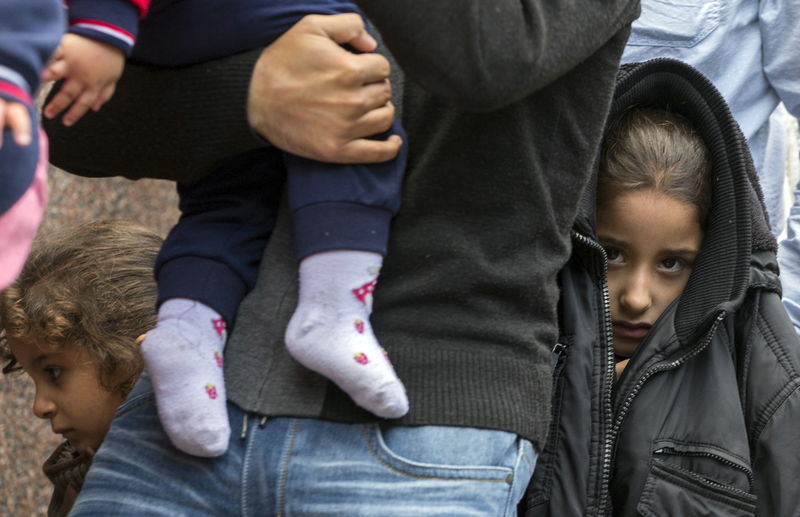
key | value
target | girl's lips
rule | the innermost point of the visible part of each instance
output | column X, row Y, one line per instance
column 66, row 432
column 629, row 330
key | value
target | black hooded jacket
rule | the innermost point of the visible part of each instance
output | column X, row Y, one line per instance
column 705, row 419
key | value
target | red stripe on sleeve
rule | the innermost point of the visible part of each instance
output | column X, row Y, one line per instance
column 102, row 24
column 15, row 91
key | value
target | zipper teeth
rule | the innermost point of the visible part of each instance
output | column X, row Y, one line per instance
column 711, row 482
column 660, row 368
column 609, row 373
column 716, row 457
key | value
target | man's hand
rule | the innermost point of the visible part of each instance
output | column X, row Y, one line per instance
column 91, row 70
column 313, row 98
column 15, row 115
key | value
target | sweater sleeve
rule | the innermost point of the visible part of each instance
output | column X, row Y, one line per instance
column 29, row 32
column 115, row 22
column 484, row 55
column 204, row 103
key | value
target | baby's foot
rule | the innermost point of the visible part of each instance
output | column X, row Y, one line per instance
column 330, row 331
column 183, row 356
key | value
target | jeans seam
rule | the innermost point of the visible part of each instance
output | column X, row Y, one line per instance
column 246, row 471
column 374, row 453
column 520, row 456
column 284, row 472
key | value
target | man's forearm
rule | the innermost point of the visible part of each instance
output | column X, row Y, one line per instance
column 173, row 124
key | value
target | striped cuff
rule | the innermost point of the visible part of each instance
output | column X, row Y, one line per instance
column 115, row 22
column 105, row 32
column 13, row 87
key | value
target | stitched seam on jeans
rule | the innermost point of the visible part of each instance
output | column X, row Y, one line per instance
column 515, row 473
column 246, row 471
column 365, row 433
column 284, row 473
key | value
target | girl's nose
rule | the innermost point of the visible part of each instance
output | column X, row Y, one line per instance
column 636, row 296
column 43, row 406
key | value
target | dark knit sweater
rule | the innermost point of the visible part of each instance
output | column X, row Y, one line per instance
column 504, row 104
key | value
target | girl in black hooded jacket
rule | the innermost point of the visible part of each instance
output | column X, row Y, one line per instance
column 677, row 372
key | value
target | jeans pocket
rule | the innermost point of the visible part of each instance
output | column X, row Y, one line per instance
column 666, row 23
column 451, row 453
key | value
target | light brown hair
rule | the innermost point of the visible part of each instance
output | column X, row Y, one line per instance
column 659, row 150
column 91, row 286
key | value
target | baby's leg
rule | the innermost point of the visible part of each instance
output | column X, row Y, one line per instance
column 207, row 264
column 336, row 208
column 330, row 331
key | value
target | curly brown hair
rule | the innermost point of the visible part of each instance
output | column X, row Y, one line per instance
column 91, row 285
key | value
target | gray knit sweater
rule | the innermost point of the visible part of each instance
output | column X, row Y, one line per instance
column 504, row 104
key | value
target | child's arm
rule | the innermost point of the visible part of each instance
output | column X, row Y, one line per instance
column 91, row 57
column 29, row 31
column 90, row 70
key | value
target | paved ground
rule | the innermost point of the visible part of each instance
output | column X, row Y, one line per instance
column 25, row 441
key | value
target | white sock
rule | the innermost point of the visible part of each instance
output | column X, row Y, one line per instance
column 330, row 331
column 183, row 356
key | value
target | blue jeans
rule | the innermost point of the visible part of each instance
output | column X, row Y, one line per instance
column 300, row 466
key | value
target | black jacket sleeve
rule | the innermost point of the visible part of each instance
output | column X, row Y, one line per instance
column 772, row 408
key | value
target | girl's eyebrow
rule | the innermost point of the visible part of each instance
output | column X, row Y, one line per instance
column 42, row 357
column 610, row 240
column 682, row 251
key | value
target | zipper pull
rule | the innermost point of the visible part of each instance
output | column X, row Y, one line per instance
column 558, row 352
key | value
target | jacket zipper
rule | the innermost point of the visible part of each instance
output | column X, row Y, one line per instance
column 747, row 472
column 649, row 373
column 608, row 443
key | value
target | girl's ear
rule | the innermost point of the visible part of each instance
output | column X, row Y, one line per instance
column 139, row 339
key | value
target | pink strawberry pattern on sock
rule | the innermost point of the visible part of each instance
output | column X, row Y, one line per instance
column 359, row 323
column 219, row 326
column 211, row 390
column 364, row 291
column 361, row 358
column 218, row 358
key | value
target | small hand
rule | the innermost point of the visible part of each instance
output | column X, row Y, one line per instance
column 15, row 115
column 313, row 98
column 90, row 69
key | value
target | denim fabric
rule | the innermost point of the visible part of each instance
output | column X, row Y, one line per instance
column 293, row 467
column 748, row 49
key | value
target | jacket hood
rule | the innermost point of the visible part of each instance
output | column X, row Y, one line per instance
column 737, row 224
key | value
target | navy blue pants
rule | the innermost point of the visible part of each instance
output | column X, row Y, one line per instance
column 212, row 255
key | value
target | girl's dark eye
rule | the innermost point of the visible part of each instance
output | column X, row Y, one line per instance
column 614, row 255
column 54, row 372
column 673, row 264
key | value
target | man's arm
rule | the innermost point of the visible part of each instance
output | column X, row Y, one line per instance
column 485, row 55
column 181, row 123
